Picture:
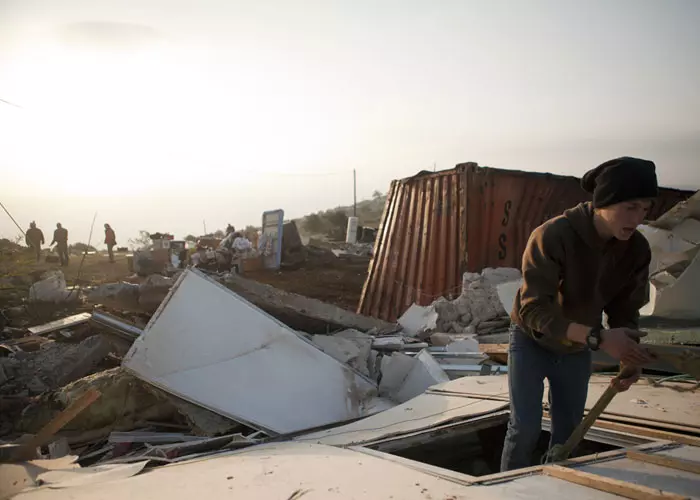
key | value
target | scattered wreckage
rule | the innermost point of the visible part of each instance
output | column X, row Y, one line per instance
column 250, row 376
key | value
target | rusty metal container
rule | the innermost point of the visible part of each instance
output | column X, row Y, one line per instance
column 436, row 226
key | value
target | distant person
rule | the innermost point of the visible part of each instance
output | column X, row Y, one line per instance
column 60, row 237
column 35, row 238
column 110, row 241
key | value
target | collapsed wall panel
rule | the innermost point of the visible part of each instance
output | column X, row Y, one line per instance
column 209, row 346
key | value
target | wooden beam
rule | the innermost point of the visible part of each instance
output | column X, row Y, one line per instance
column 665, row 461
column 46, row 433
column 647, row 432
column 609, row 485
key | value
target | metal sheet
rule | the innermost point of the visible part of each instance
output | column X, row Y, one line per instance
column 435, row 226
column 207, row 345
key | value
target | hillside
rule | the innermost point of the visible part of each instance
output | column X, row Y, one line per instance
column 332, row 223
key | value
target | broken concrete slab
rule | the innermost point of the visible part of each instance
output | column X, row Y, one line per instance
column 208, row 345
column 418, row 320
column 405, row 377
column 55, row 364
column 299, row 312
column 351, row 347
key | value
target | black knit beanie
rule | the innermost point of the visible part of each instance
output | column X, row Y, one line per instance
column 621, row 179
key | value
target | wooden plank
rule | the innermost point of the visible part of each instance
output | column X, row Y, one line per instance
column 58, row 422
column 609, row 485
column 665, row 461
column 650, row 433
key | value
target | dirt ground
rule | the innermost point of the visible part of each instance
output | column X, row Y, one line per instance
column 335, row 281
column 339, row 283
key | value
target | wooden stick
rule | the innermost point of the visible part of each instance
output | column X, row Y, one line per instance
column 665, row 461
column 647, row 432
column 57, row 423
column 609, row 485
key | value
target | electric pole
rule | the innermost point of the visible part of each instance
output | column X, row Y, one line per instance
column 354, row 193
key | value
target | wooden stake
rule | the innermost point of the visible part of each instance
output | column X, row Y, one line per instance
column 665, row 461
column 609, row 485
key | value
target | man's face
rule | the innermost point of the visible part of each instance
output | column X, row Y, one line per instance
column 623, row 218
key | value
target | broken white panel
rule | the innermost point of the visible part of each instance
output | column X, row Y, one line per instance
column 209, row 346
column 67, row 322
column 676, row 298
column 405, row 377
column 507, row 293
column 667, row 248
column 350, row 347
column 468, row 344
column 418, row 319
column 688, row 230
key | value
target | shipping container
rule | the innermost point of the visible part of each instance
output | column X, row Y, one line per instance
column 436, row 226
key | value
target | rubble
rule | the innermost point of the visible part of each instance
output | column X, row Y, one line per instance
column 478, row 309
column 53, row 365
column 51, row 288
column 350, row 347
column 404, row 377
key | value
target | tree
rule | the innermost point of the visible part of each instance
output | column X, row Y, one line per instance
column 190, row 237
column 142, row 242
column 82, row 247
column 313, row 224
column 219, row 234
column 377, row 194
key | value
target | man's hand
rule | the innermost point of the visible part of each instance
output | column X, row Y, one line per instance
column 620, row 344
column 631, row 376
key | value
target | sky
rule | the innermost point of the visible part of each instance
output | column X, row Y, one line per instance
column 159, row 115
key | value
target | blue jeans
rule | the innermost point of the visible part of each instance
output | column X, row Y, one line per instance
column 528, row 365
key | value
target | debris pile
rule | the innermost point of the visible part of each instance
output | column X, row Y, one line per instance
column 478, row 310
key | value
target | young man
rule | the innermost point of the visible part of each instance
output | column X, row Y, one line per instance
column 34, row 238
column 576, row 266
column 60, row 237
column 110, row 241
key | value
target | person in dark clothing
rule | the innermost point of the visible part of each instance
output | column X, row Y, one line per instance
column 576, row 266
column 34, row 239
column 110, row 241
column 60, row 237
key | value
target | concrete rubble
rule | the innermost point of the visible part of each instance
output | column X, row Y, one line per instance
column 478, row 309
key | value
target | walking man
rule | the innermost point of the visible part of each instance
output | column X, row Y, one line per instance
column 110, row 241
column 576, row 266
column 34, row 239
column 60, row 237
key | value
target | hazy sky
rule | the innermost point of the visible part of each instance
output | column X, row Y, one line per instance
column 158, row 114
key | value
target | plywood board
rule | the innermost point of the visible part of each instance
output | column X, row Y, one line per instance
column 283, row 471
column 642, row 401
column 209, row 346
column 649, row 475
column 422, row 412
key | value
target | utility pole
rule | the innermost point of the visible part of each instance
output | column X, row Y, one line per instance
column 354, row 193
column 205, row 227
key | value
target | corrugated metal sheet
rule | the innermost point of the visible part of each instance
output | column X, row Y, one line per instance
column 435, row 226
column 419, row 250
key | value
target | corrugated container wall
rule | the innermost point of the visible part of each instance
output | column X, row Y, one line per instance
column 436, row 226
